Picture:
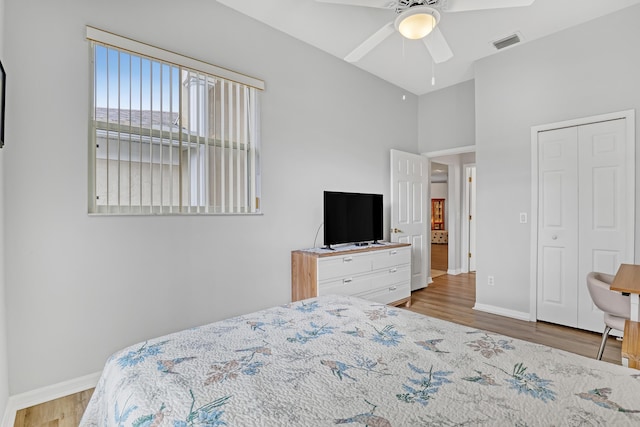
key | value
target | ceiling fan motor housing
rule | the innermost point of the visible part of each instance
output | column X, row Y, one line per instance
column 402, row 5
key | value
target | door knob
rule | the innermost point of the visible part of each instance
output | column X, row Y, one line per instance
column 396, row 230
column 554, row 237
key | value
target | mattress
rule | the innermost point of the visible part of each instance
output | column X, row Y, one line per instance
column 343, row 360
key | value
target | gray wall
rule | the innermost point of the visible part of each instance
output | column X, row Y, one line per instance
column 4, row 379
column 80, row 287
column 584, row 71
column 447, row 118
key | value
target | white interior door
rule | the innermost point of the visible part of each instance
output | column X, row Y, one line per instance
column 604, row 237
column 471, row 219
column 557, row 226
column 409, row 183
column 586, row 204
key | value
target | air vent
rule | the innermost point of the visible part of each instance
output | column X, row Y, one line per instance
column 507, row 41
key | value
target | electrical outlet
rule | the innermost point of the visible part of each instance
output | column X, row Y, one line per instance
column 523, row 217
column 490, row 281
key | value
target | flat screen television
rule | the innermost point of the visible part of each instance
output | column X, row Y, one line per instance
column 352, row 218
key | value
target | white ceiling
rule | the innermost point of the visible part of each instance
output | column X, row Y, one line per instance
column 338, row 29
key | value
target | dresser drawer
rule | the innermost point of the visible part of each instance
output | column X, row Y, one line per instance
column 389, row 294
column 391, row 258
column 342, row 266
column 390, row 276
column 349, row 285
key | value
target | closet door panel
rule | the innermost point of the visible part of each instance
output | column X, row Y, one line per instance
column 557, row 227
column 603, row 208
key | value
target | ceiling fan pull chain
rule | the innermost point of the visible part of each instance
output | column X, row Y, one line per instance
column 433, row 73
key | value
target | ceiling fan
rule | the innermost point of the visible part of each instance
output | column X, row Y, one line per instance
column 418, row 19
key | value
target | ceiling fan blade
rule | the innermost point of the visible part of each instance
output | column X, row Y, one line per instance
column 373, row 41
column 466, row 5
column 438, row 46
column 380, row 4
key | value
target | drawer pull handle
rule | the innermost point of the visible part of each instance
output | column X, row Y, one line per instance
column 393, row 270
column 347, row 281
column 393, row 288
column 347, row 259
column 393, row 252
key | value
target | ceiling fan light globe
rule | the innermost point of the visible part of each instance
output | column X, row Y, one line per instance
column 417, row 22
column 417, row 26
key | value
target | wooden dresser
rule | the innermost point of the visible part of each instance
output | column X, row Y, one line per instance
column 380, row 273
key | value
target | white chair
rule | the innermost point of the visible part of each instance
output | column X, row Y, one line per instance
column 615, row 305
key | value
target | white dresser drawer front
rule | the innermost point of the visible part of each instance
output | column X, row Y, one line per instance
column 389, row 294
column 341, row 266
column 391, row 257
column 369, row 282
column 347, row 285
column 390, row 276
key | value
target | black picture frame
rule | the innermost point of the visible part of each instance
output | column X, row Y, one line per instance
column 3, row 88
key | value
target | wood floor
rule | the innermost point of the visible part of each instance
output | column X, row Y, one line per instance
column 448, row 297
column 439, row 257
column 452, row 298
column 63, row 412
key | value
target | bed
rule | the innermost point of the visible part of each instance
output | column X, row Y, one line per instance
column 343, row 360
column 439, row 237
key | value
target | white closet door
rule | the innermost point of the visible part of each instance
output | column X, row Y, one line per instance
column 584, row 217
column 557, row 226
column 603, row 208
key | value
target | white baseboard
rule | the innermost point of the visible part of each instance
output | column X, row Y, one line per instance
column 520, row 315
column 454, row 272
column 45, row 394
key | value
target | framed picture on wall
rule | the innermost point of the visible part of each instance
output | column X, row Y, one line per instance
column 3, row 87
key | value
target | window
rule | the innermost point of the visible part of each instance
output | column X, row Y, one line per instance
column 169, row 134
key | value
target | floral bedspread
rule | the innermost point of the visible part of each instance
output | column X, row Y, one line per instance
column 343, row 360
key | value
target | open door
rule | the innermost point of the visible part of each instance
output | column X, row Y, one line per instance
column 409, row 210
column 470, row 226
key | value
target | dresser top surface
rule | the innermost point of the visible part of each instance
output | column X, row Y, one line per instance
column 350, row 249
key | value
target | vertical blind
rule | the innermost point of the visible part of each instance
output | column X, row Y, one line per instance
column 167, row 138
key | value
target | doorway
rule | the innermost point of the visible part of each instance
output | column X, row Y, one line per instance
column 439, row 221
column 456, row 206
